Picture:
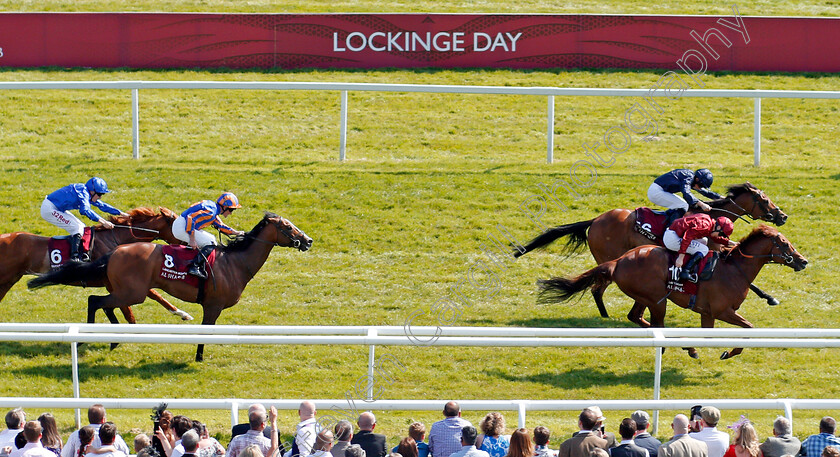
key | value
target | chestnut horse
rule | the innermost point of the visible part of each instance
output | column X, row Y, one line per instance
column 24, row 253
column 133, row 269
column 642, row 273
column 611, row 234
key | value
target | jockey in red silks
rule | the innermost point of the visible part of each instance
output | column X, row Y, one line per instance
column 187, row 227
column 56, row 206
column 690, row 235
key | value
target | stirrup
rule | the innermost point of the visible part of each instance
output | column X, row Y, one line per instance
column 198, row 272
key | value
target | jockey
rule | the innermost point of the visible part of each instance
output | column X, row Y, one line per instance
column 187, row 227
column 662, row 191
column 56, row 206
column 690, row 235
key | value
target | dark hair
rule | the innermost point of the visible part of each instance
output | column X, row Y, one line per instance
column 520, row 444
column 627, row 428
column 49, row 431
column 469, row 434
column 15, row 419
column 96, row 414
column 407, row 447
column 541, row 436
column 343, row 430
column 827, row 424
column 20, row 440
column 107, row 433
column 86, row 435
column 588, row 419
column 181, row 424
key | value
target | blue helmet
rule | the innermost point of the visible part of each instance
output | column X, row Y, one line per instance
column 228, row 201
column 704, row 177
column 97, row 186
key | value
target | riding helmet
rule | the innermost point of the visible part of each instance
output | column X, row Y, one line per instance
column 726, row 226
column 228, row 201
column 97, row 186
column 704, row 177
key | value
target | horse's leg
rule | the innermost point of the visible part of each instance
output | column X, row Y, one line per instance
column 211, row 313
column 156, row 296
column 731, row 316
column 112, row 318
column 598, row 295
column 772, row 301
column 636, row 315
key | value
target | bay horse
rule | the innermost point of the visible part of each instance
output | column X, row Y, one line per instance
column 24, row 253
column 133, row 269
column 643, row 272
column 612, row 234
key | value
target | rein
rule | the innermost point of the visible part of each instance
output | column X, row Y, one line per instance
column 755, row 198
column 786, row 256
column 286, row 233
column 132, row 229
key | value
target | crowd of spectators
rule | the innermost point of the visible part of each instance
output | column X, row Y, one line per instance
column 453, row 436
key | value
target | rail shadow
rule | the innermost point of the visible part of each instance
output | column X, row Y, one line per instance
column 87, row 371
column 585, row 378
column 572, row 322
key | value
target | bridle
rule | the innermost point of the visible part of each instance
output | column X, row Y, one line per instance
column 786, row 256
column 282, row 230
column 757, row 201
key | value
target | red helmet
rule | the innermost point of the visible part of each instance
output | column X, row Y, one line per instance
column 726, row 226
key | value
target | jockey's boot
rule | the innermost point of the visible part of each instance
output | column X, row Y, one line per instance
column 686, row 273
column 673, row 214
column 197, row 266
column 75, row 247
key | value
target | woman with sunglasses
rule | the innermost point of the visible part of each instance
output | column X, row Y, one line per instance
column 188, row 227
column 56, row 210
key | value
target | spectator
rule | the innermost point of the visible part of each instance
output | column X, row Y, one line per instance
column 49, row 433
column 189, row 441
column 492, row 439
column 33, row 446
column 241, row 429
column 207, row 446
column 323, row 444
column 149, row 451
column 830, row 451
column 252, row 450
column 716, row 441
column 254, row 436
column 582, row 442
column 306, row 431
column 372, row 443
column 407, row 447
column 107, row 436
column 180, row 425
column 782, row 442
column 141, row 442
column 643, row 438
column 468, row 437
column 96, row 417
column 600, row 430
column 814, row 444
column 86, row 437
column 627, row 448
column 417, row 432
column 682, row 445
column 354, row 450
column 445, row 435
column 745, row 443
column 520, row 444
column 20, row 441
column 343, row 435
column 14, row 425
column 541, row 438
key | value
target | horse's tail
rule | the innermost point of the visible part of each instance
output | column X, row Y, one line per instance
column 575, row 231
column 73, row 272
column 558, row 290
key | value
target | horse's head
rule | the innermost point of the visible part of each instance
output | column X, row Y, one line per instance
column 754, row 203
column 287, row 235
column 773, row 245
column 142, row 224
column 784, row 253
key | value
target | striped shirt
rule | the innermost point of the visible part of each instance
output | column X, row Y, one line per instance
column 202, row 214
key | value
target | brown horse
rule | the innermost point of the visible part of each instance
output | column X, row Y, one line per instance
column 24, row 253
column 642, row 273
column 133, row 269
column 611, row 234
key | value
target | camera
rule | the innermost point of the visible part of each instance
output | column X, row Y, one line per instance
column 157, row 413
column 693, row 418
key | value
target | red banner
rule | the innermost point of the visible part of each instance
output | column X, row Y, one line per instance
column 189, row 40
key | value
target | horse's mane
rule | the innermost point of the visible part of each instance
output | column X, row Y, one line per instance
column 758, row 233
column 135, row 216
column 732, row 192
column 243, row 242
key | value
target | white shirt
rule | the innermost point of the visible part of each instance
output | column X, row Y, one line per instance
column 178, row 450
column 305, row 436
column 716, row 441
column 35, row 449
column 7, row 437
column 107, row 454
column 71, row 448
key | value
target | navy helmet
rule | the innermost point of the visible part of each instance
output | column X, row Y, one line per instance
column 704, row 177
column 97, row 186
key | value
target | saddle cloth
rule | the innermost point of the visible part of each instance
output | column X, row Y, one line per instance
column 706, row 267
column 58, row 248
column 176, row 262
column 651, row 224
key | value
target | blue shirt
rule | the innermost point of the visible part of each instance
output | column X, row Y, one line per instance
column 202, row 214
column 445, row 436
column 76, row 196
column 814, row 444
column 680, row 180
column 422, row 449
column 496, row 447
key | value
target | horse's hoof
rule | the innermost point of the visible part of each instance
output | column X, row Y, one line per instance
column 694, row 355
column 114, row 345
column 772, row 301
column 725, row 355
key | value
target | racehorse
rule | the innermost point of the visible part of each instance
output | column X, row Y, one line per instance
column 611, row 234
column 133, row 269
column 642, row 274
column 24, row 253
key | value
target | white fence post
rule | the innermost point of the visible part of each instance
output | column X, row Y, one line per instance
column 550, row 130
column 520, row 406
column 74, row 357
column 371, row 362
column 135, row 123
column 342, row 147
column 757, row 133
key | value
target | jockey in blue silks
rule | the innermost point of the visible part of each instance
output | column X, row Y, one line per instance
column 56, row 206
column 188, row 227
column 682, row 180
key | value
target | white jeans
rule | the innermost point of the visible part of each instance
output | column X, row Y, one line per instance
column 61, row 219
column 658, row 196
column 672, row 241
column 202, row 238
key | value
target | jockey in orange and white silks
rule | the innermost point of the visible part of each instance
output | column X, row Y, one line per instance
column 56, row 206
column 188, row 227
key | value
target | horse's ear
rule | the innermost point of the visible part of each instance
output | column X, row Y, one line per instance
column 167, row 212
